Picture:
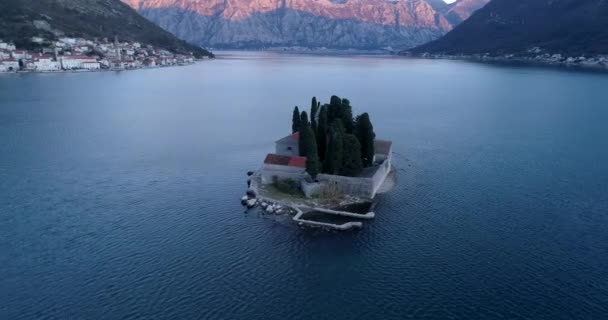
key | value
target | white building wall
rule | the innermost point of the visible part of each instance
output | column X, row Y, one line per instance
column 290, row 148
column 69, row 63
column 47, row 65
column 11, row 64
column 91, row 66
column 281, row 172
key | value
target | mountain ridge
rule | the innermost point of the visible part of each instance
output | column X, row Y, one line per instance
column 312, row 23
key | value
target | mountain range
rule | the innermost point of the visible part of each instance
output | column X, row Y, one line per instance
column 340, row 24
column 568, row 27
column 20, row 20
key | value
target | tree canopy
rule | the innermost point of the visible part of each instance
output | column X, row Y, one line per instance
column 351, row 158
column 295, row 120
column 332, row 141
column 308, row 146
column 364, row 130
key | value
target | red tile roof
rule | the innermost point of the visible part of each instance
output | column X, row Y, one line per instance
column 276, row 159
column 42, row 56
column 80, row 57
column 289, row 138
column 297, row 162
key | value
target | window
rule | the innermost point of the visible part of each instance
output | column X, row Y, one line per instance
column 289, row 148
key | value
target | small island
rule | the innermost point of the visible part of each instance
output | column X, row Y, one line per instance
column 327, row 172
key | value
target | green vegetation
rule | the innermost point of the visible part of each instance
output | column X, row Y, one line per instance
column 335, row 150
column 322, row 128
column 308, row 146
column 343, row 146
column 295, row 120
column 314, row 114
column 287, row 186
column 351, row 158
column 364, row 130
column 332, row 141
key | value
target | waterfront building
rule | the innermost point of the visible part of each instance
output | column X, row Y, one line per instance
column 11, row 64
column 283, row 167
column 89, row 65
column 76, row 62
column 44, row 62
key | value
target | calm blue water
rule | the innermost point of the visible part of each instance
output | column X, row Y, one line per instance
column 119, row 194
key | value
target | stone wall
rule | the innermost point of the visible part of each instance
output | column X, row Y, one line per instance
column 281, row 172
column 380, row 175
column 361, row 187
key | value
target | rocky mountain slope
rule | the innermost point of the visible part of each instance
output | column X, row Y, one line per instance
column 362, row 24
column 527, row 27
column 459, row 11
column 22, row 19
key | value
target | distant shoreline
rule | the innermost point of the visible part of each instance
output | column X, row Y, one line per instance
column 597, row 64
column 312, row 51
column 101, row 70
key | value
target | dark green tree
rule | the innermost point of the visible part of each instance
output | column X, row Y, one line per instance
column 295, row 120
column 364, row 130
column 308, row 146
column 347, row 115
column 334, row 109
column 340, row 109
column 314, row 110
column 351, row 159
column 304, row 144
column 322, row 127
column 334, row 155
column 313, row 165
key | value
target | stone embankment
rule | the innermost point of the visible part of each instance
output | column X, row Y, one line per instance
column 254, row 198
column 345, row 226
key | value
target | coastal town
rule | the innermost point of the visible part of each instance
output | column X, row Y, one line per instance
column 78, row 54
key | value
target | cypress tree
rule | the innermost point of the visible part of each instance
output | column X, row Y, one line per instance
column 313, row 165
column 334, row 110
column 351, row 159
column 365, row 133
column 335, row 150
column 295, row 120
column 346, row 113
column 322, row 132
column 304, row 144
column 314, row 110
column 308, row 146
